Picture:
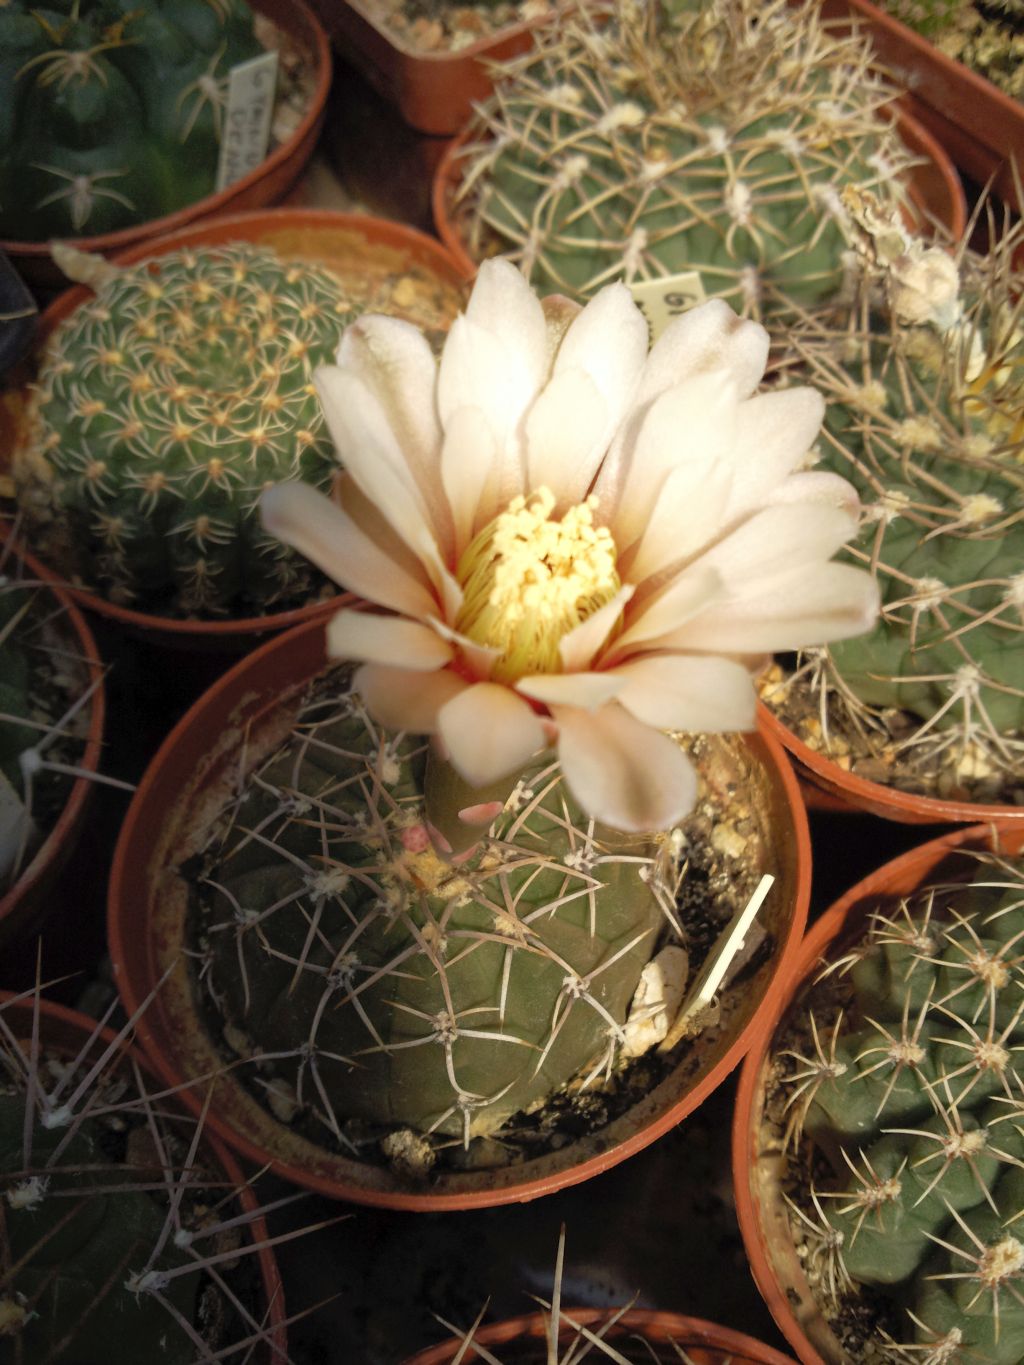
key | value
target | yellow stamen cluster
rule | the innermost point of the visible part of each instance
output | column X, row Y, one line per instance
column 529, row 580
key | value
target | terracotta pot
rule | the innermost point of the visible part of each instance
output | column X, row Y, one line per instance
column 147, row 926
column 433, row 91
column 934, row 190
column 980, row 126
column 760, row 1208
column 67, row 1031
column 350, row 244
column 705, row 1342
column 23, row 905
column 845, row 791
column 268, row 183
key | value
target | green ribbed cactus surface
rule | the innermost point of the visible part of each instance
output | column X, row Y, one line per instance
column 112, row 111
column 713, row 137
column 391, row 988
column 164, row 407
column 906, row 1107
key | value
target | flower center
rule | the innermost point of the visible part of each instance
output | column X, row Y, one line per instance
column 528, row 580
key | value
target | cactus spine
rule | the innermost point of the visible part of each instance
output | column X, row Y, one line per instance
column 904, row 1096
column 672, row 138
column 164, row 407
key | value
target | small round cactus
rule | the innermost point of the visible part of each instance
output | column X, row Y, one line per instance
column 111, row 111
column 163, row 408
column 925, row 374
column 675, row 137
column 903, row 1095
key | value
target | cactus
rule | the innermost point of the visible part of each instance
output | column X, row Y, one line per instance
column 712, row 137
column 120, row 1240
column 389, row 1001
column 163, row 407
column 111, row 111
column 926, row 380
column 908, row 1109
column 987, row 36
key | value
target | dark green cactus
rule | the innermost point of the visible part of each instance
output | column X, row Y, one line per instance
column 111, row 111
column 713, row 138
column 911, row 1099
column 393, row 987
column 164, row 407
column 926, row 381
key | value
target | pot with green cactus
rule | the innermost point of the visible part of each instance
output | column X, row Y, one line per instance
column 923, row 717
column 645, row 142
column 464, row 908
column 877, row 1129
column 51, row 730
column 115, row 118
column 128, row 1232
column 963, row 63
column 178, row 385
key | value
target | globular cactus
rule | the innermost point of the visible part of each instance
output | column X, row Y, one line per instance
column 904, row 1088
column 713, row 138
column 163, row 408
column 383, row 994
column 112, row 111
column 120, row 1237
column 925, row 377
column 986, row 35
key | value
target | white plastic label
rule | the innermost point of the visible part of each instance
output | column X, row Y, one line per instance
column 662, row 300
column 247, row 118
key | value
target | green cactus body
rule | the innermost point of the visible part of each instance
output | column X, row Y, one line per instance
column 163, row 408
column 913, row 1106
column 925, row 421
column 714, row 140
column 392, row 988
column 113, row 109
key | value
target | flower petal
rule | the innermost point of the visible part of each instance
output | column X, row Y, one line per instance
column 774, row 431
column 687, row 596
column 818, row 486
column 565, row 430
column 489, row 732
column 388, row 640
column 467, row 458
column 776, row 539
column 622, row 772
column 588, row 690
column 787, row 610
column 394, row 360
column 403, row 700
column 578, row 649
column 308, row 521
column 688, row 692
column 479, row 658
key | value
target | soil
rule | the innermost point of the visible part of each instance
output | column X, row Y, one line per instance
column 725, row 839
column 434, row 26
column 867, row 742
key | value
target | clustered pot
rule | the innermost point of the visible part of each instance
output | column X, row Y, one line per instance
column 170, row 820
column 777, row 1261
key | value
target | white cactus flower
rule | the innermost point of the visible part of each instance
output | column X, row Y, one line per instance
column 576, row 542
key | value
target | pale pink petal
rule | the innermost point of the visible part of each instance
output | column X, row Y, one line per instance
column 390, row 640
column 373, row 458
column 776, row 539
column 774, row 432
column 705, row 338
column 479, row 659
column 805, row 605
column 578, row 649
column 400, row 699
column 467, row 457
column 588, row 690
column 309, row 522
column 688, row 692
column 394, row 360
column 687, row 511
column 686, row 596
column 559, row 312
column 818, row 486
column 564, row 437
column 691, row 428
column 489, row 731
column 621, row 771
